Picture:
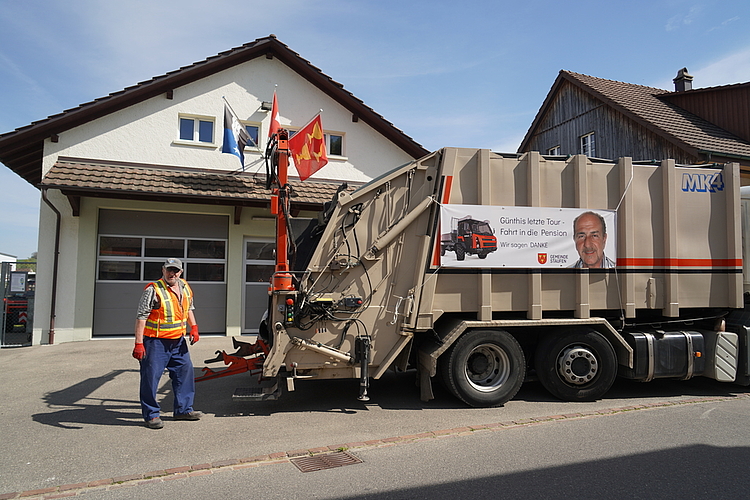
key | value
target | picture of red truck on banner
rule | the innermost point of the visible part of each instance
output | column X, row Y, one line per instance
column 468, row 236
column 527, row 237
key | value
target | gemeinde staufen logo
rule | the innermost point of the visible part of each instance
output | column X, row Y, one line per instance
column 541, row 258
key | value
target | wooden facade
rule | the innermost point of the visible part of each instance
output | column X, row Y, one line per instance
column 728, row 107
column 574, row 113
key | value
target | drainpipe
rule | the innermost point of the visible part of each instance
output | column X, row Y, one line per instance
column 54, row 267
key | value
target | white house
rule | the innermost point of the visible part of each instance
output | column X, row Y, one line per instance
column 132, row 178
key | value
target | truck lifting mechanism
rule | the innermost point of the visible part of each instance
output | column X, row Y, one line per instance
column 482, row 270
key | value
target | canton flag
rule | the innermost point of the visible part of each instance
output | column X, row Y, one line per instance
column 235, row 136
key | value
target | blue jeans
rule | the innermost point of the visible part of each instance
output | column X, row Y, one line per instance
column 172, row 354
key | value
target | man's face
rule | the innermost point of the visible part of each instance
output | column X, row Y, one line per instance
column 590, row 240
column 171, row 274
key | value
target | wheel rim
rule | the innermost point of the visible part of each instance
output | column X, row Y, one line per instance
column 487, row 367
column 577, row 365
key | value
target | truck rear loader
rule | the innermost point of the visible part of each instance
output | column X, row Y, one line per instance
column 601, row 269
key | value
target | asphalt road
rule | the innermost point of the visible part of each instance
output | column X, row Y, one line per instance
column 693, row 451
column 70, row 417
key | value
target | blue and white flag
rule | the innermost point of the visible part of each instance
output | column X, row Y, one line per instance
column 235, row 136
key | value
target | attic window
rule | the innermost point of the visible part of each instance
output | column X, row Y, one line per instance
column 587, row 144
column 196, row 129
column 554, row 151
column 335, row 144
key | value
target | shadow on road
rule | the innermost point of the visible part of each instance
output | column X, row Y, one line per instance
column 398, row 391
column 79, row 407
column 716, row 473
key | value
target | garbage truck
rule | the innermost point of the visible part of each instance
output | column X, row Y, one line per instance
column 602, row 269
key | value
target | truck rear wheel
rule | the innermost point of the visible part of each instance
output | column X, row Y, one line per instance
column 484, row 367
column 460, row 251
column 576, row 366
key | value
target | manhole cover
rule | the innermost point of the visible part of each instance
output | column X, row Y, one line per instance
column 327, row 461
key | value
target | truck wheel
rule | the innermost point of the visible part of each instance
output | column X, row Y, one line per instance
column 460, row 251
column 482, row 254
column 577, row 366
column 442, row 250
column 483, row 368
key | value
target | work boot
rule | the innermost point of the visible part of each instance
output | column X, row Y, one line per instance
column 155, row 423
column 193, row 415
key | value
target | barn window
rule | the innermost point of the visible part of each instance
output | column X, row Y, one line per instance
column 587, row 145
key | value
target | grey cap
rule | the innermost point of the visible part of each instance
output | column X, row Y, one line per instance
column 173, row 263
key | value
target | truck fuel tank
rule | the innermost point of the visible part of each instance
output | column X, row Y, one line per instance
column 665, row 354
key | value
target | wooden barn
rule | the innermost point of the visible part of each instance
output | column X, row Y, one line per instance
column 608, row 119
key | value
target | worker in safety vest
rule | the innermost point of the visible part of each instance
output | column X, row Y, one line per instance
column 164, row 314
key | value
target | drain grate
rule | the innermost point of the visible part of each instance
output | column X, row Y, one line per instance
column 327, row 461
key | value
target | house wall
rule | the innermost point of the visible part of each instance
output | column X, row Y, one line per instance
column 575, row 113
column 148, row 133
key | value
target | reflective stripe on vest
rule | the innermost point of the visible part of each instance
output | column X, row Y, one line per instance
column 169, row 321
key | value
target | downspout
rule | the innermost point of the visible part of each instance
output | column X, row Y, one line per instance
column 54, row 267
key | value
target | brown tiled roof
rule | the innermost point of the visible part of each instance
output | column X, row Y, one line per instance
column 21, row 149
column 646, row 106
column 75, row 177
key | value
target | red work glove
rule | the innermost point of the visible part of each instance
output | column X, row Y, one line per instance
column 139, row 352
column 194, row 337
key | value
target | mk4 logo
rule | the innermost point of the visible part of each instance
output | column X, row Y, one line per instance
column 703, row 183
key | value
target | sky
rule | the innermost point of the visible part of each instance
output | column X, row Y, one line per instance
column 465, row 74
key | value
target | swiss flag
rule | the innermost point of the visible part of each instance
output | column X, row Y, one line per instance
column 308, row 147
column 274, row 127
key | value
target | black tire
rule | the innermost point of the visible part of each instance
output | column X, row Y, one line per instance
column 460, row 251
column 442, row 250
column 483, row 368
column 482, row 254
column 576, row 365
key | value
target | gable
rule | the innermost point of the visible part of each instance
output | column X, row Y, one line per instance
column 647, row 107
column 22, row 149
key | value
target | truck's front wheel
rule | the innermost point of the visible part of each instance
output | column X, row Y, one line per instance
column 576, row 365
column 460, row 251
column 484, row 367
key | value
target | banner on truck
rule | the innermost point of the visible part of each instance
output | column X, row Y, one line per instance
column 533, row 237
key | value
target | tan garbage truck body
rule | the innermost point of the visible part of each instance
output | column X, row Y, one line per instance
column 600, row 269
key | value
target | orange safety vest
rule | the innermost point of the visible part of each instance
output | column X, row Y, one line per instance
column 169, row 321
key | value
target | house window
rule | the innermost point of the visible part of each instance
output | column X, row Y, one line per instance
column 197, row 129
column 128, row 258
column 554, row 151
column 587, row 145
column 335, row 144
column 254, row 131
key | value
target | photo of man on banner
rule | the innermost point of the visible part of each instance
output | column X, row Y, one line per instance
column 590, row 236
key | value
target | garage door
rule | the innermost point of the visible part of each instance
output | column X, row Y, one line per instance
column 132, row 246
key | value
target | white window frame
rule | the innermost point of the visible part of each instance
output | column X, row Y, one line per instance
column 196, row 130
column 327, row 136
column 587, row 144
column 555, row 151
column 260, row 130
